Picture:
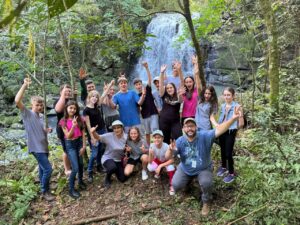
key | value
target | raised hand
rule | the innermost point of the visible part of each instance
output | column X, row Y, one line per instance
column 163, row 68
column 181, row 91
column 238, row 112
column 143, row 149
column 93, row 129
column 172, row 145
column 194, row 60
column 145, row 64
column 74, row 121
column 27, row 81
column 82, row 73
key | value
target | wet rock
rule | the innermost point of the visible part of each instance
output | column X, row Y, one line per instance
column 17, row 126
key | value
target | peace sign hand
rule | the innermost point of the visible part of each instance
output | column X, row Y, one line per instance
column 238, row 112
column 172, row 145
column 74, row 121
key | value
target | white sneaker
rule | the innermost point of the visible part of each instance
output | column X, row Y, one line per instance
column 144, row 175
column 171, row 191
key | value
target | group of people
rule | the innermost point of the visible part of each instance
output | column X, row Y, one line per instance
column 146, row 125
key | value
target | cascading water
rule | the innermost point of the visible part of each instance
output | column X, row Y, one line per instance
column 164, row 48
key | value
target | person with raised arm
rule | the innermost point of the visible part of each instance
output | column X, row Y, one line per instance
column 37, row 140
column 194, row 149
column 169, row 117
column 129, row 103
column 148, row 109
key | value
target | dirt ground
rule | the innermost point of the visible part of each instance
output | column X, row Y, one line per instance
column 133, row 202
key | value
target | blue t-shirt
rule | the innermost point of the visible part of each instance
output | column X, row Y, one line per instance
column 128, row 107
column 195, row 155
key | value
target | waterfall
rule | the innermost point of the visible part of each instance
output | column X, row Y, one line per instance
column 164, row 48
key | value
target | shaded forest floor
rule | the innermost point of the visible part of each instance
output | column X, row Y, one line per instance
column 134, row 202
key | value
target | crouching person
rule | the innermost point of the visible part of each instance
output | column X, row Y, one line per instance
column 36, row 133
column 157, row 159
column 194, row 150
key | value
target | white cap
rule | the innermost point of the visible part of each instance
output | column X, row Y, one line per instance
column 117, row 123
column 159, row 132
column 156, row 78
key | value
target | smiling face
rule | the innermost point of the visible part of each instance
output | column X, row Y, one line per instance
column 94, row 98
column 190, row 129
column 68, row 93
column 134, row 134
column 123, row 86
column 189, row 83
column 228, row 96
column 158, row 140
column 71, row 109
column 170, row 89
column 90, row 87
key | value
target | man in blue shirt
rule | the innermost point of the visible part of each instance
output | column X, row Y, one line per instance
column 129, row 103
column 194, row 149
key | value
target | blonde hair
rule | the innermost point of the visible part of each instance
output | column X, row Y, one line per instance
column 91, row 94
column 37, row 99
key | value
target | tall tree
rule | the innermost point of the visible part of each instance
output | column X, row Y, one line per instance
column 273, row 51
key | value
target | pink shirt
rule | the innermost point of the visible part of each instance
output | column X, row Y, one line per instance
column 190, row 105
column 77, row 132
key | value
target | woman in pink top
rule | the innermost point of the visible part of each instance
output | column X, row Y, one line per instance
column 190, row 97
column 74, row 131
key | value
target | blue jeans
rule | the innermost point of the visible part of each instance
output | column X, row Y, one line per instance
column 96, row 152
column 72, row 149
column 45, row 170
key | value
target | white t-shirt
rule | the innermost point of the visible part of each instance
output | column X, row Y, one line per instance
column 159, row 153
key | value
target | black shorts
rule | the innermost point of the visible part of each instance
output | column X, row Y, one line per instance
column 134, row 161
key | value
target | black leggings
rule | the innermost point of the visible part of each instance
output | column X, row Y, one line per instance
column 114, row 167
column 227, row 142
column 171, row 129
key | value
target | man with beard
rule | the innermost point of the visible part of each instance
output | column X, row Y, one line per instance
column 194, row 149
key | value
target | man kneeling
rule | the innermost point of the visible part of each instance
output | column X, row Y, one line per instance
column 194, row 150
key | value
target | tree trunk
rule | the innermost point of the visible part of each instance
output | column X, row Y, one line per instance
column 273, row 52
column 188, row 17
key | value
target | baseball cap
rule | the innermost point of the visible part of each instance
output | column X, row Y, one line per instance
column 117, row 123
column 136, row 80
column 190, row 119
column 159, row 132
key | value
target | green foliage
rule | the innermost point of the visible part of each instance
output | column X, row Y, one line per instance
column 56, row 7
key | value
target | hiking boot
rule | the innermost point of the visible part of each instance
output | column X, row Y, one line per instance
column 229, row 178
column 90, row 177
column 74, row 194
column 144, row 175
column 205, row 209
column 171, row 191
column 221, row 171
column 48, row 196
column 82, row 186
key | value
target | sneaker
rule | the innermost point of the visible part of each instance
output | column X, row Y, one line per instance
column 221, row 171
column 68, row 173
column 171, row 191
column 74, row 194
column 48, row 196
column 229, row 178
column 157, row 176
column 205, row 209
column 144, row 175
